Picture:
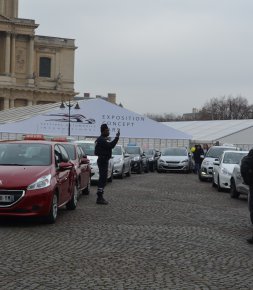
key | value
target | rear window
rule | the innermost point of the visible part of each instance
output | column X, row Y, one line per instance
column 133, row 150
column 175, row 152
column 88, row 148
column 70, row 150
column 233, row 158
column 27, row 154
column 215, row 152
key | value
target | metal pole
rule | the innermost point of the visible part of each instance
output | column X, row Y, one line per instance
column 69, row 118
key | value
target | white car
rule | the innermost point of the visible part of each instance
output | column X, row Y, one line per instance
column 88, row 148
column 174, row 159
column 214, row 152
column 121, row 161
column 237, row 185
column 224, row 166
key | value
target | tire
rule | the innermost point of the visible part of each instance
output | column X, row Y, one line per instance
column 86, row 190
column 71, row 205
column 213, row 183
column 140, row 171
column 233, row 192
column 52, row 216
column 159, row 171
column 128, row 174
column 218, row 185
column 121, row 176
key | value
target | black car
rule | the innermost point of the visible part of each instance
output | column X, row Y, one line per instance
column 152, row 155
column 139, row 160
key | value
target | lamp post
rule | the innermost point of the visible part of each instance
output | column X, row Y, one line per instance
column 69, row 105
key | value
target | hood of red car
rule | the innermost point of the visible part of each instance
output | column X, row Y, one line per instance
column 21, row 176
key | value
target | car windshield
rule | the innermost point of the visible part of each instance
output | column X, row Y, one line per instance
column 117, row 150
column 88, row 148
column 174, row 152
column 28, row 154
column 149, row 152
column 215, row 152
column 70, row 148
column 133, row 150
column 233, row 158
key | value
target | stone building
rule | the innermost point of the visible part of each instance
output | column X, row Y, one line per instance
column 34, row 69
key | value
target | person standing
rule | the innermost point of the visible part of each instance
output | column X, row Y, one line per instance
column 103, row 149
column 198, row 156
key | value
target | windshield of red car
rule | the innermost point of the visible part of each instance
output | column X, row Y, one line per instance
column 27, row 154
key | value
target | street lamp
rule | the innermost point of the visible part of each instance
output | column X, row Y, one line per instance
column 69, row 105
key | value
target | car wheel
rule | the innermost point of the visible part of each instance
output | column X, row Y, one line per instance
column 121, row 176
column 52, row 216
column 233, row 192
column 128, row 174
column 218, row 185
column 71, row 205
column 140, row 171
column 213, row 183
column 86, row 190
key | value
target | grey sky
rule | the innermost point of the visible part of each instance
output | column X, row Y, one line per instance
column 158, row 56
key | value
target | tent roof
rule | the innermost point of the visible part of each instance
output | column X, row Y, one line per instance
column 51, row 120
column 211, row 130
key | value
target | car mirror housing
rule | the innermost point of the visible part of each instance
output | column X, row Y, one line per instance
column 66, row 166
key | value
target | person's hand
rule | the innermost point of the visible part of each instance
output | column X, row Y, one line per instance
column 118, row 133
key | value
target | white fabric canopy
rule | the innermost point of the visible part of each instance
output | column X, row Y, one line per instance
column 87, row 121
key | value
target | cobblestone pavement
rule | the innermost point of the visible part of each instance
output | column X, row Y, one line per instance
column 160, row 231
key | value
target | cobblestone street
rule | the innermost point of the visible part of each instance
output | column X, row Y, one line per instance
column 160, row 231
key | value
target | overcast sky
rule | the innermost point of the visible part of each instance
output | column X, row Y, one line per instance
column 158, row 56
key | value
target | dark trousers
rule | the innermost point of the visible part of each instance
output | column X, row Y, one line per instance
column 250, row 202
column 103, row 171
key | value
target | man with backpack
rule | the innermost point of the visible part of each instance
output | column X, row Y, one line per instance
column 247, row 175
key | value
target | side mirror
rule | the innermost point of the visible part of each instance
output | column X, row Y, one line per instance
column 66, row 166
column 85, row 161
column 216, row 162
column 126, row 155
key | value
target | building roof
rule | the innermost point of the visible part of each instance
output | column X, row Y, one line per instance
column 211, row 130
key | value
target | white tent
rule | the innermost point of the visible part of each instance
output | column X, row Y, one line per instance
column 87, row 120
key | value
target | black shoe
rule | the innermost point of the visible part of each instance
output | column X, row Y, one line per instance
column 250, row 241
column 101, row 201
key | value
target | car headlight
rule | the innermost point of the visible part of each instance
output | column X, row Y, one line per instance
column 205, row 163
column 161, row 161
column 42, row 182
column 118, row 161
column 136, row 158
column 225, row 171
column 185, row 161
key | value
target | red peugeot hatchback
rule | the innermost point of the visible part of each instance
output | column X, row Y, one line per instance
column 36, row 178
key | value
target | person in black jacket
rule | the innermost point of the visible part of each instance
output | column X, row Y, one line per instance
column 103, row 149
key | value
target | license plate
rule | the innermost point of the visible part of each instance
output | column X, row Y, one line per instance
column 6, row 198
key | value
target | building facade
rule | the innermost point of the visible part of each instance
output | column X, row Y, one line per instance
column 33, row 69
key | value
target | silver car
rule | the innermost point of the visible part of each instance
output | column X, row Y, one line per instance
column 174, row 159
column 121, row 162
column 237, row 186
column 214, row 153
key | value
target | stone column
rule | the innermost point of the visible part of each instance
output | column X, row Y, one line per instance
column 12, row 103
column 6, row 103
column 13, row 55
column 30, row 103
column 7, row 53
column 31, row 57
column 15, row 12
column 2, row 6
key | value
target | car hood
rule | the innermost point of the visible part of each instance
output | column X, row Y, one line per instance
column 229, row 167
column 21, row 176
column 174, row 158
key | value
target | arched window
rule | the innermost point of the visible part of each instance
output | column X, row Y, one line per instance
column 45, row 67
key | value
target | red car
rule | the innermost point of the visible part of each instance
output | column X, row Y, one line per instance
column 82, row 166
column 36, row 178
